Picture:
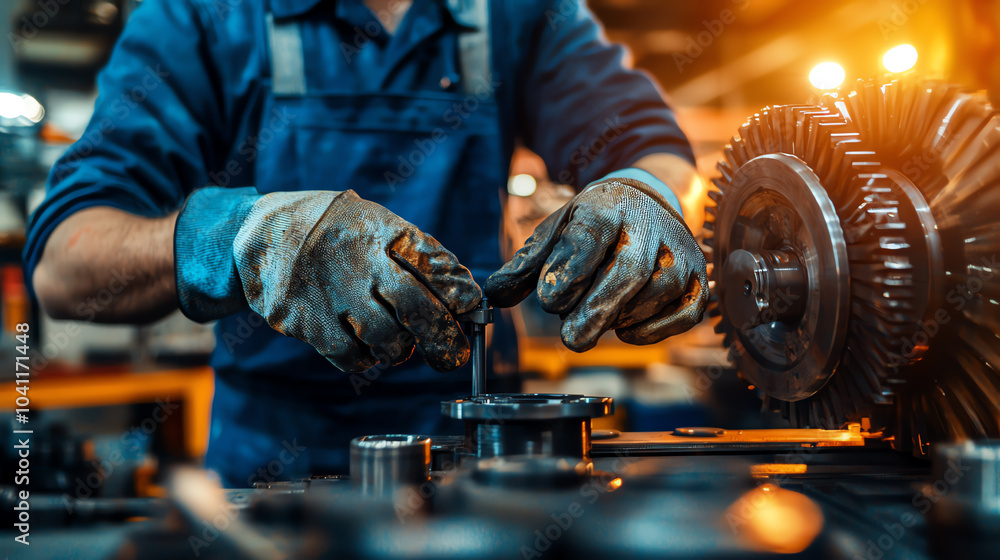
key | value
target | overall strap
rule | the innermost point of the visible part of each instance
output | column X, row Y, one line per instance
column 474, row 46
column 288, row 75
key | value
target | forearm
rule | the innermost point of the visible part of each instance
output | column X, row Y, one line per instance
column 108, row 266
column 684, row 180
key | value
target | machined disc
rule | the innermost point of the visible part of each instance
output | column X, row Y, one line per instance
column 912, row 168
column 516, row 406
column 776, row 203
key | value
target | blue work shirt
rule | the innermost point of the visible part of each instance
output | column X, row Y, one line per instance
column 187, row 100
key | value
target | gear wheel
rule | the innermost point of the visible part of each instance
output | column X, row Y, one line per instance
column 854, row 260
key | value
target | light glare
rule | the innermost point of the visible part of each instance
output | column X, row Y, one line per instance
column 32, row 109
column 827, row 75
column 900, row 59
column 522, row 185
column 11, row 105
column 14, row 106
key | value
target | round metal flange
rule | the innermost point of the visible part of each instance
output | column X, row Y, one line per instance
column 928, row 256
column 791, row 284
column 545, row 425
column 517, row 406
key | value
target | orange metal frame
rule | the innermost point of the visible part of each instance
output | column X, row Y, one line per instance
column 191, row 387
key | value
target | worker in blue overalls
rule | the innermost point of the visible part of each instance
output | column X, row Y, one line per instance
column 325, row 179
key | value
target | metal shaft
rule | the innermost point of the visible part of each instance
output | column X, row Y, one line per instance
column 478, row 319
column 478, row 360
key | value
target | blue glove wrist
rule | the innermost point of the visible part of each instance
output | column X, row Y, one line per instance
column 208, row 284
column 649, row 179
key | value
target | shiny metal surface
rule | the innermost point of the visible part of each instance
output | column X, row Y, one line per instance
column 773, row 286
column 912, row 168
column 478, row 319
column 536, row 425
column 775, row 210
column 557, row 437
column 708, row 440
column 383, row 464
column 527, row 406
column 528, row 472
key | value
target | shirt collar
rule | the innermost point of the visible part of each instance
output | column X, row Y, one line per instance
column 292, row 8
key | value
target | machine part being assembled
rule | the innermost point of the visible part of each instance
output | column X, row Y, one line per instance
column 784, row 242
column 854, row 260
column 478, row 319
column 381, row 465
column 544, row 425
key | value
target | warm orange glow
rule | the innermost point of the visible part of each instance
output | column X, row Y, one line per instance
column 693, row 201
column 900, row 59
column 113, row 386
column 765, row 470
column 827, row 75
column 614, row 484
column 773, row 519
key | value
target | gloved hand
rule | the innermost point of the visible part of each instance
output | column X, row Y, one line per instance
column 617, row 256
column 349, row 277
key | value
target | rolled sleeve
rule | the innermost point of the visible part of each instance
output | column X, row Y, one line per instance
column 586, row 113
column 148, row 143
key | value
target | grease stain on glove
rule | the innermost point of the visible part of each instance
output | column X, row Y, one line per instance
column 617, row 256
column 357, row 282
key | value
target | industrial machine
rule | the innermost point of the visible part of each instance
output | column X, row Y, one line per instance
column 854, row 279
column 854, row 248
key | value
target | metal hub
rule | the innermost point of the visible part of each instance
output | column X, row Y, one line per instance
column 543, row 425
column 920, row 304
column 785, row 283
column 775, row 287
column 527, row 406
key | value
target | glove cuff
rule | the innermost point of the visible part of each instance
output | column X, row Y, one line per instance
column 644, row 176
column 208, row 284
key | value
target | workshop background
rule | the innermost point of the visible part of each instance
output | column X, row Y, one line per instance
column 113, row 406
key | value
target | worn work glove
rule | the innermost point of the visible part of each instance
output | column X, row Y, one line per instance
column 617, row 256
column 349, row 277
